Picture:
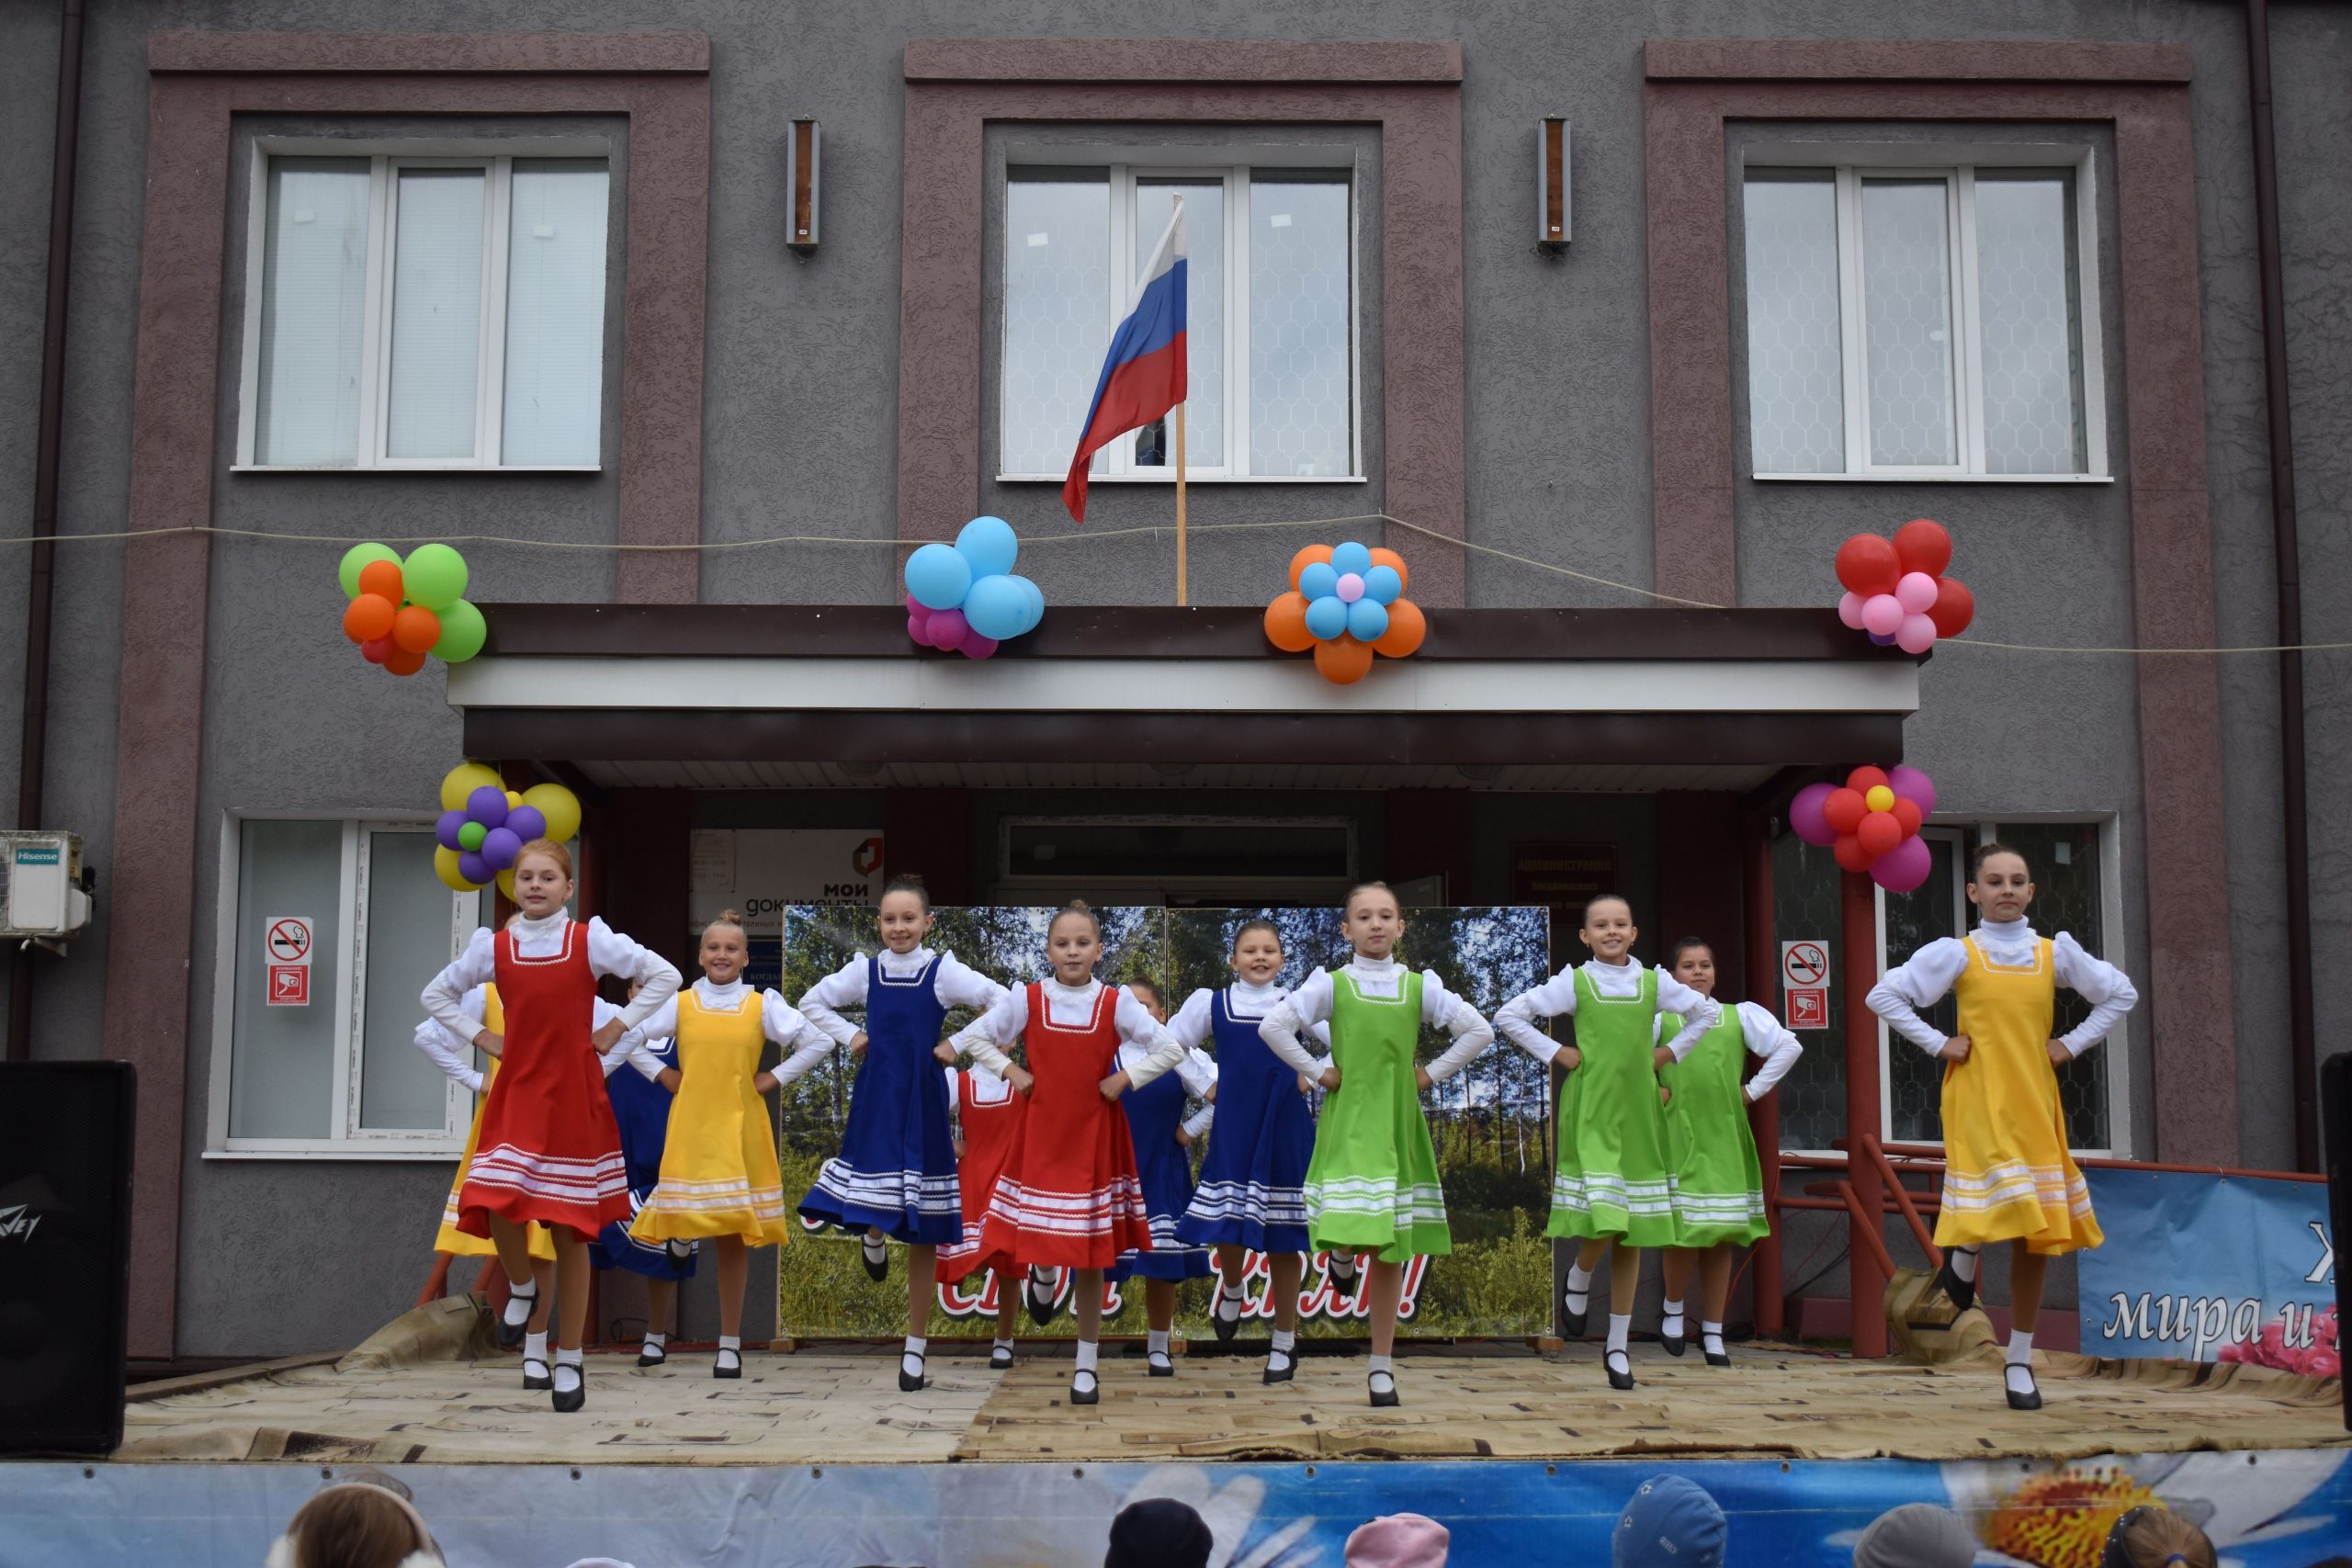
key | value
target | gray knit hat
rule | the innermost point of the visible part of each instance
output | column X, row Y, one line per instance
column 1917, row 1535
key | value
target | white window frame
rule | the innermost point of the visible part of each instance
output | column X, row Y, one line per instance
column 1966, row 834
column 346, row 1139
column 385, row 161
column 1957, row 165
column 1128, row 251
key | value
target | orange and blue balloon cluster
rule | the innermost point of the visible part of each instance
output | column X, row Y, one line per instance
column 1347, row 603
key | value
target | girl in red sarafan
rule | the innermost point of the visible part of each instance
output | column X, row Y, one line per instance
column 548, row 1148
column 1070, row 1196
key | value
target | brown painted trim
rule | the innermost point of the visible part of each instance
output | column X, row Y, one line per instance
column 1180, row 60
column 667, row 735
column 1097, row 632
column 941, row 312
column 2145, row 98
column 440, row 52
column 160, row 727
column 1889, row 60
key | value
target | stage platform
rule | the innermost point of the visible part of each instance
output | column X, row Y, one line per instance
column 814, row 1460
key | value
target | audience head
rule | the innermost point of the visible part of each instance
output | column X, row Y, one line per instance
column 1670, row 1523
column 1917, row 1535
column 1160, row 1532
column 1399, row 1541
column 355, row 1525
column 2155, row 1537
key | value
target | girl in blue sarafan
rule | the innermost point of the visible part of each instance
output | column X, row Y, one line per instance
column 894, row 1177
column 1164, row 1138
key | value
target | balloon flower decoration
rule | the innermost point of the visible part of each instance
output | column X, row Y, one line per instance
column 963, row 598
column 484, row 826
column 1896, row 591
column 1871, row 823
column 400, row 612
column 1346, row 603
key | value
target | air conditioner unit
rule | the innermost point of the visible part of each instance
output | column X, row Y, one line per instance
column 44, row 892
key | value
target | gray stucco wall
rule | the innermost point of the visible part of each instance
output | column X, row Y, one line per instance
column 800, row 419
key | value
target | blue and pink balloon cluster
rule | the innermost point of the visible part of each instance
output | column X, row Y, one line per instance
column 1350, row 595
column 489, row 831
column 963, row 598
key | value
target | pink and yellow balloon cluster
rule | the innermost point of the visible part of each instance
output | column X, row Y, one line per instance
column 1895, row 588
column 1870, row 823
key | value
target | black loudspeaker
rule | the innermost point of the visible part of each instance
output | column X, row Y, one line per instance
column 2336, row 1131
column 65, row 1141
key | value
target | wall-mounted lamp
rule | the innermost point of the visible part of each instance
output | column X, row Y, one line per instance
column 1551, row 182
column 801, row 185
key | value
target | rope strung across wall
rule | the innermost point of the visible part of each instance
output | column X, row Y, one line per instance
column 1096, row 535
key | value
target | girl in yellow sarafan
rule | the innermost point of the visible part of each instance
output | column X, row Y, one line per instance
column 719, row 1178
column 2007, row 1175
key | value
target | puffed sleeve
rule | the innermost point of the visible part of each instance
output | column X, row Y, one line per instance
column 961, row 986
column 2106, row 988
column 1310, row 1004
column 844, row 987
column 633, row 1043
column 1472, row 1034
column 1699, row 1014
column 1135, row 1022
column 609, row 952
column 1517, row 1022
column 1921, row 983
column 806, row 1045
column 445, row 994
column 449, row 1052
column 1766, row 1038
column 1193, row 1021
column 986, row 1037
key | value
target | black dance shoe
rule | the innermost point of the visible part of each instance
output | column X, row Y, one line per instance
column 876, row 1269
column 1086, row 1391
column 2029, row 1399
column 1620, row 1381
column 910, row 1383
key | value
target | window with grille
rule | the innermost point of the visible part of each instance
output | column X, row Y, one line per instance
column 424, row 312
column 1921, row 324
column 1269, row 330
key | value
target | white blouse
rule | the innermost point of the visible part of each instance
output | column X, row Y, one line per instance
column 453, row 1055
column 1195, row 1022
column 1196, row 1068
column 1557, row 998
column 1383, row 978
column 1764, row 1037
column 778, row 1021
column 609, row 952
column 1072, row 1006
column 2006, row 944
column 958, row 985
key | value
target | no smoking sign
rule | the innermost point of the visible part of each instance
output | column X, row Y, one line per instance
column 287, row 940
column 1805, row 976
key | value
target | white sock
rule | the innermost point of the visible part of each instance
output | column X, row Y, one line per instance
column 1087, row 1351
column 1670, row 1326
column 2020, row 1372
column 1710, row 1337
column 1040, row 1275
column 1963, row 1264
column 1579, row 1291
column 1155, row 1340
column 1003, row 1345
column 568, row 1371
column 1343, row 1265
column 534, row 1346
column 911, row 1358
column 1285, row 1339
column 520, row 1300
column 1381, row 1374
column 1281, row 1358
column 1228, row 1304
column 655, row 1344
column 1620, row 1329
column 730, row 1344
column 874, row 1245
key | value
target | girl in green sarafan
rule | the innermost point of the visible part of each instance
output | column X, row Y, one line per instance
column 1372, row 1184
column 1718, row 1176
column 1614, row 1192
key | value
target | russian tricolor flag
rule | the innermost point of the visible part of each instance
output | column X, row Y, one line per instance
column 1143, row 376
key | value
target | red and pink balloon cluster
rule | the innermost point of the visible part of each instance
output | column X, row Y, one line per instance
column 1871, row 823
column 1896, row 591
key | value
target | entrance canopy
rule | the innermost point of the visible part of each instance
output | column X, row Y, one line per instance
column 783, row 696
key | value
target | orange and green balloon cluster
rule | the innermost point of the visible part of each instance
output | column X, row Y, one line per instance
column 400, row 612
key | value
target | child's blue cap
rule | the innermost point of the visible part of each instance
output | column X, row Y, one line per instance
column 1670, row 1523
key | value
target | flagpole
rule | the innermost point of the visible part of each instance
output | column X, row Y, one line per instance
column 1179, row 505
